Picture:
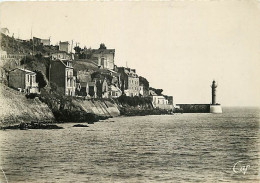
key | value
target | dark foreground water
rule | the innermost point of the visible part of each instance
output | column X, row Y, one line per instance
column 177, row 148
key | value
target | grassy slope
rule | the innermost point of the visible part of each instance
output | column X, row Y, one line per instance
column 16, row 108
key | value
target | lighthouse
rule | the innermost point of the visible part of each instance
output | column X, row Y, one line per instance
column 213, row 92
column 214, row 107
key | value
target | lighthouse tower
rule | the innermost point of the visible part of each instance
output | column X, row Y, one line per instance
column 214, row 107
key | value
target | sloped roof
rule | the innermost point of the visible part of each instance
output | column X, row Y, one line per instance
column 151, row 92
column 64, row 42
column 24, row 70
column 105, row 51
column 62, row 61
column 85, row 65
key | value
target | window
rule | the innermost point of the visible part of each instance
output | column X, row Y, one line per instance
column 68, row 82
column 102, row 61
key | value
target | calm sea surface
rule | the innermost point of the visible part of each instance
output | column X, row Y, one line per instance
column 176, row 148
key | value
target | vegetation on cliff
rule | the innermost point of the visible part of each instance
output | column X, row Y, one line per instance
column 138, row 106
column 16, row 108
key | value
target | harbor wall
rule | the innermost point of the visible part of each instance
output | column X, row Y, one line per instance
column 194, row 108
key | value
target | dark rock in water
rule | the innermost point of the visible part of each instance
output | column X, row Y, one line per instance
column 33, row 125
column 39, row 125
column 23, row 126
column 90, row 122
column 80, row 125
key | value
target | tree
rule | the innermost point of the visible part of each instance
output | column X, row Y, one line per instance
column 27, row 59
column 77, row 49
column 144, row 81
column 102, row 46
column 41, row 79
column 157, row 91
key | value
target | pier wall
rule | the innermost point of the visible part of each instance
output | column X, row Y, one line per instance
column 194, row 108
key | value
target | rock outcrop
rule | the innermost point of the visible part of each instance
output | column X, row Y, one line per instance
column 15, row 108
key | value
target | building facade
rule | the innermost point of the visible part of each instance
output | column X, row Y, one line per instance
column 11, row 60
column 61, row 73
column 129, row 81
column 46, row 42
column 105, row 58
column 115, row 91
column 64, row 46
column 86, row 89
column 23, row 80
column 102, row 87
column 62, row 55
column 161, row 102
column 144, row 92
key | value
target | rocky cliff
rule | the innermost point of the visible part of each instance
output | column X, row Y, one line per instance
column 97, row 107
column 16, row 108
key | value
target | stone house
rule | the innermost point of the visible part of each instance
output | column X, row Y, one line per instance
column 62, row 55
column 129, row 81
column 61, row 73
column 87, row 89
column 114, row 91
column 102, row 87
column 92, row 89
column 5, row 31
column 161, row 102
column 11, row 60
column 64, row 46
column 46, row 42
column 24, row 80
column 36, row 41
column 105, row 58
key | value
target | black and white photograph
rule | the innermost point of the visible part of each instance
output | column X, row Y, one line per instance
column 130, row 91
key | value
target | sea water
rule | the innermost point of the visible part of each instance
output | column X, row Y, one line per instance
column 167, row 148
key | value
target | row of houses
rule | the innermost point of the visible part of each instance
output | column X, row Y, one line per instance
column 105, row 81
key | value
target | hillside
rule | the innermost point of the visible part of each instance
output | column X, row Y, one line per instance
column 13, row 45
column 16, row 108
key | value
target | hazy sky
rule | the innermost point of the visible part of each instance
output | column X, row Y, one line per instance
column 178, row 46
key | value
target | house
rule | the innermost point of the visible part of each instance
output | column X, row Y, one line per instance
column 102, row 87
column 86, row 89
column 64, row 46
column 143, row 87
column 129, row 81
column 92, row 89
column 115, row 91
column 105, row 58
column 61, row 73
column 23, row 80
column 11, row 60
column 37, row 41
column 5, row 31
column 160, row 101
column 141, row 90
column 46, row 42
column 62, row 55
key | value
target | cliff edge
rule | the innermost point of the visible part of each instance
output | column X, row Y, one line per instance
column 16, row 108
